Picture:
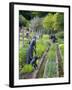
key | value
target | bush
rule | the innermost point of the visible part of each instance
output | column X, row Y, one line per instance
column 22, row 56
column 52, row 53
column 42, row 44
column 45, row 37
column 60, row 35
column 60, row 41
column 40, row 48
column 46, row 40
column 27, row 68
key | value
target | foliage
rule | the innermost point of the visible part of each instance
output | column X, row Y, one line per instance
column 54, row 22
column 39, row 14
column 45, row 37
column 60, row 41
column 23, row 21
column 48, row 22
column 40, row 48
column 50, row 67
column 42, row 45
column 52, row 53
column 50, row 71
column 46, row 40
column 31, row 14
column 22, row 56
column 35, row 24
column 60, row 35
column 27, row 68
column 58, row 21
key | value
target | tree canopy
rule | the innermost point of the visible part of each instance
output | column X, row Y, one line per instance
column 51, row 21
column 31, row 14
column 48, row 22
column 36, row 23
column 54, row 22
column 58, row 21
column 23, row 21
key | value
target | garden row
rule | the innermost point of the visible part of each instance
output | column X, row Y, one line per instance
column 41, row 46
column 55, row 60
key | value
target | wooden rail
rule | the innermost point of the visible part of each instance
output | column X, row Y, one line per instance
column 41, row 63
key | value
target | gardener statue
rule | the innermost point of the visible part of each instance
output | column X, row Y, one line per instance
column 33, row 62
column 32, row 47
column 53, row 38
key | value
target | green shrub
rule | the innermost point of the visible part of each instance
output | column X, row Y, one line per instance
column 45, row 37
column 42, row 44
column 60, row 35
column 27, row 68
column 22, row 56
column 60, row 41
column 52, row 52
column 40, row 48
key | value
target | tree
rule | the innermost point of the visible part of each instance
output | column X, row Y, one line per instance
column 54, row 22
column 23, row 21
column 36, row 24
column 58, row 21
column 31, row 14
column 39, row 14
column 26, row 14
column 48, row 22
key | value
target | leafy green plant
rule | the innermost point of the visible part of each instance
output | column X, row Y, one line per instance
column 60, row 41
column 60, row 35
column 40, row 48
column 27, row 68
column 52, row 52
column 22, row 56
column 23, row 21
column 45, row 37
column 42, row 44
